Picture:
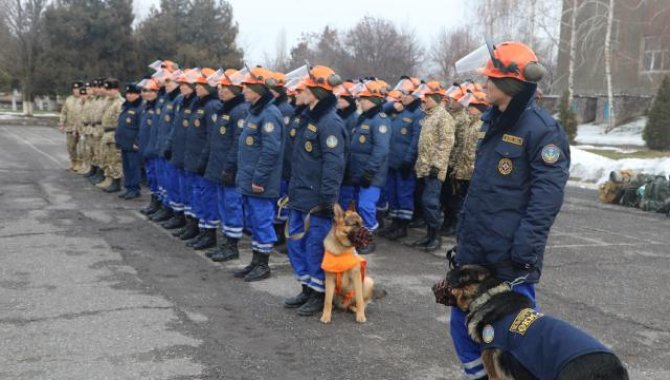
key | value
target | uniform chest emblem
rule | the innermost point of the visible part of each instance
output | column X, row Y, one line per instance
column 488, row 333
column 128, row 120
column 167, row 118
column 222, row 130
column 293, row 132
column 550, row 154
column 383, row 129
column 505, row 166
column 196, row 123
column 331, row 141
column 149, row 122
column 403, row 131
column 362, row 139
column 308, row 146
column 240, row 123
column 158, row 111
column 286, row 120
column 249, row 140
column 214, row 118
column 184, row 123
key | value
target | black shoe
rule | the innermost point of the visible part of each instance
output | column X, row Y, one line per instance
column 228, row 251
column 313, row 305
column 261, row 271
column 380, row 215
column 400, row 232
column 91, row 171
column 418, row 223
column 300, row 299
column 163, row 215
column 207, row 241
column 96, row 178
column 423, row 241
column 246, row 270
column 365, row 250
column 177, row 221
column 114, row 187
column 153, row 206
column 132, row 195
column 191, row 229
column 216, row 251
column 435, row 241
column 196, row 238
column 385, row 232
column 123, row 194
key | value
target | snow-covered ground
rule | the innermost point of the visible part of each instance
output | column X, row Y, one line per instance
column 629, row 134
column 590, row 167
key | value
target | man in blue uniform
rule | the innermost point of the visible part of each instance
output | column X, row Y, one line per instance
column 222, row 165
column 125, row 137
column 316, row 176
column 367, row 163
column 147, row 119
column 517, row 186
column 259, row 170
column 196, row 155
column 401, row 182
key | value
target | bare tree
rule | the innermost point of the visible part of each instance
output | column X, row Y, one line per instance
column 449, row 47
column 611, row 119
column 20, row 52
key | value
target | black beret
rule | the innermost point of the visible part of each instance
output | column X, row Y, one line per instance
column 132, row 88
column 111, row 83
column 77, row 84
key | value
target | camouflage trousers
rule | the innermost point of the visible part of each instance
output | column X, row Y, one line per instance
column 86, row 146
column 96, row 142
column 111, row 157
column 71, row 141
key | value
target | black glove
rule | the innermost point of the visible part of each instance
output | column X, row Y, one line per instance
column 325, row 210
column 434, row 172
column 167, row 154
column 228, row 178
column 405, row 170
column 366, row 179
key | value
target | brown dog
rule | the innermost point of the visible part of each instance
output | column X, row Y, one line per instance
column 345, row 269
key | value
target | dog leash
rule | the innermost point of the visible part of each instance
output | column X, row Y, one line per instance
column 306, row 223
column 517, row 281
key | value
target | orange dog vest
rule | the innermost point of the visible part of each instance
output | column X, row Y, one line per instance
column 341, row 263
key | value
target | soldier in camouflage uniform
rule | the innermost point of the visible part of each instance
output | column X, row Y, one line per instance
column 79, row 128
column 86, row 128
column 435, row 144
column 67, row 124
column 96, row 110
column 110, row 155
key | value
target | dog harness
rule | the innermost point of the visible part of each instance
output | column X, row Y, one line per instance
column 543, row 344
column 341, row 263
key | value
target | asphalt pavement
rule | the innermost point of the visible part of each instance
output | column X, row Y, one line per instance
column 89, row 289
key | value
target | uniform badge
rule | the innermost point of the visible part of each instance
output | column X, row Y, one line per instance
column 196, row 123
column 286, row 120
column 222, row 130
column 149, row 122
column 505, row 166
column 550, row 154
column 293, row 132
column 170, row 107
column 311, row 127
column 331, row 141
column 407, row 119
column 214, row 118
column 516, row 140
column 269, row 127
column 250, row 140
column 361, row 139
column 240, row 123
column 184, row 123
column 365, row 126
column 487, row 334
column 308, row 146
column 167, row 118
column 225, row 117
column 524, row 320
column 158, row 111
column 128, row 120
column 383, row 129
column 403, row 131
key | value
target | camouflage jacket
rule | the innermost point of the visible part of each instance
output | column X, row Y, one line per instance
column 68, row 114
column 110, row 118
column 461, row 120
column 464, row 163
column 435, row 142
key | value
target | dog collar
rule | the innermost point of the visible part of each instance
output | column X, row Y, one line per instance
column 485, row 297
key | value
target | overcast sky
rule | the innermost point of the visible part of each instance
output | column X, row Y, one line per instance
column 262, row 21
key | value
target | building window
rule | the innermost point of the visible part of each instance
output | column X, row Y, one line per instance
column 656, row 56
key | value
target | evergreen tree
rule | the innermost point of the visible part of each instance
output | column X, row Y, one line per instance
column 657, row 132
column 567, row 118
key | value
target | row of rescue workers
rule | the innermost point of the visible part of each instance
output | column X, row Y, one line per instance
column 261, row 152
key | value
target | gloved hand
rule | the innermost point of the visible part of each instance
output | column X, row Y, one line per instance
column 405, row 170
column 366, row 179
column 168, row 154
column 325, row 210
column 228, row 178
column 434, row 172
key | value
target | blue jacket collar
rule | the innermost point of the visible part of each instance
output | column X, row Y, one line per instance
column 256, row 109
column 321, row 108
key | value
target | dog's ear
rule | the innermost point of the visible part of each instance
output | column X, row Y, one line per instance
column 352, row 206
column 338, row 212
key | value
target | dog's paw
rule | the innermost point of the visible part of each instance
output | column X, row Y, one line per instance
column 360, row 318
column 325, row 319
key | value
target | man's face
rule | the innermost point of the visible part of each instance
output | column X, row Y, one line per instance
column 201, row 91
column 185, row 89
column 171, row 85
column 225, row 94
column 496, row 96
column 75, row 92
column 250, row 95
column 365, row 104
column 149, row 95
column 398, row 106
column 308, row 97
column 429, row 102
column 131, row 96
column 407, row 99
column 342, row 104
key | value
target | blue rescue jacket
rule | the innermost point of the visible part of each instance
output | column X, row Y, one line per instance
column 294, row 124
column 521, row 168
column 370, row 141
column 261, row 148
column 542, row 344
column 201, row 122
column 147, row 123
column 182, row 115
column 405, row 131
column 127, row 131
column 318, row 157
column 165, row 122
column 224, row 138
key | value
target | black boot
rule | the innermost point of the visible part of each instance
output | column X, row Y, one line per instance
column 261, row 271
column 313, row 305
column 228, row 251
column 417, row 223
column 385, row 232
column 449, row 228
column 114, row 187
column 177, row 221
column 365, row 250
column 208, row 240
column 300, row 299
column 153, row 206
column 435, row 241
column 400, row 232
column 196, row 238
column 124, row 193
column 380, row 219
column 191, row 229
column 98, row 177
column 423, row 241
column 246, row 270
column 162, row 215
column 91, row 171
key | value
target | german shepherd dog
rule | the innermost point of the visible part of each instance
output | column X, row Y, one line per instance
column 558, row 349
column 348, row 282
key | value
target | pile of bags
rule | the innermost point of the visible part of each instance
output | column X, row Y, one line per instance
column 644, row 191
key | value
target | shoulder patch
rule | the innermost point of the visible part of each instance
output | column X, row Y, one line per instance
column 383, row 115
column 240, row 123
column 383, row 128
column 331, row 141
column 214, row 118
column 550, row 154
column 286, row 120
column 524, row 320
column 488, row 333
column 268, row 127
column 516, row 140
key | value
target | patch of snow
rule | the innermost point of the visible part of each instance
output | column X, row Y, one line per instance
column 590, row 167
column 629, row 134
column 605, row 147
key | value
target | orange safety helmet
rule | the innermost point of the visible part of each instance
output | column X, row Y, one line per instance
column 259, row 75
column 371, row 88
column 296, row 88
column 188, row 76
column 279, row 79
column 226, row 78
column 474, row 97
column 323, row 77
column 394, row 96
column 513, row 59
column 203, row 74
column 149, row 84
column 429, row 88
column 345, row 89
column 407, row 85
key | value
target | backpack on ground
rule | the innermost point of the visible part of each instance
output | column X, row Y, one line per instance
column 656, row 195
